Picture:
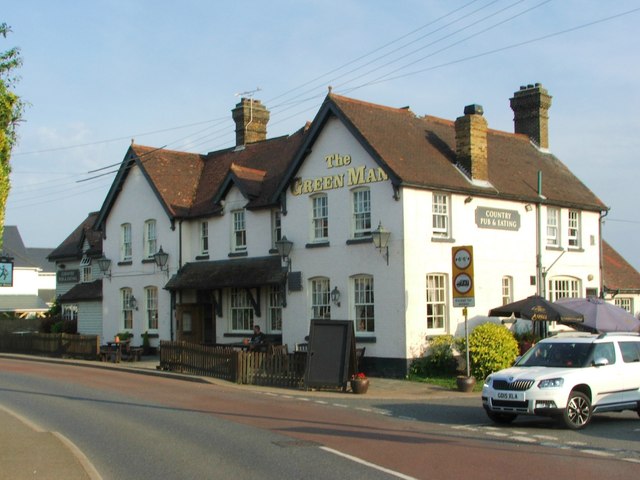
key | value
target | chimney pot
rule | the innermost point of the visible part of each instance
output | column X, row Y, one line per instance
column 473, row 109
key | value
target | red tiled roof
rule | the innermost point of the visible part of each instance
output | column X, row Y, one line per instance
column 421, row 152
column 618, row 273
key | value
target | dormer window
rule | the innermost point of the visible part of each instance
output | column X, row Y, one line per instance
column 85, row 268
column 239, row 240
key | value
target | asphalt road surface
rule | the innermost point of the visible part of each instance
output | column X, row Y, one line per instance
column 138, row 426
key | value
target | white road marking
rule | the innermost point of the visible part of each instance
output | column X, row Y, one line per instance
column 368, row 464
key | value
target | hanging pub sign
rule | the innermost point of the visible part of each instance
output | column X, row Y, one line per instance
column 6, row 272
column 462, row 276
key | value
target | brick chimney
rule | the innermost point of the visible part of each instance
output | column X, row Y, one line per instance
column 530, row 107
column 251, row 119
column 471, row 142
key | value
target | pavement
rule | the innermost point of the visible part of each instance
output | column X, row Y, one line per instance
column 29, row 452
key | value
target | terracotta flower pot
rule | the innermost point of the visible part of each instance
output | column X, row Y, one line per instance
column 465, row 384
column 360, row 385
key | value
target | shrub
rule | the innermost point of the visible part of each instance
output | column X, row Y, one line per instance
column 439, row 359
column 492, row 347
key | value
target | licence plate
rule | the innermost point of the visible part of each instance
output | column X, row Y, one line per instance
column 516, row 396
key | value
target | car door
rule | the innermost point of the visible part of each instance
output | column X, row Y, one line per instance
column 607, row 385
column 630, row 368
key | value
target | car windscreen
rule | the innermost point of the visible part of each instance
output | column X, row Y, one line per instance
column 556, row 355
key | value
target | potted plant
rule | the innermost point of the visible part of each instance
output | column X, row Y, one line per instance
column 359, row 383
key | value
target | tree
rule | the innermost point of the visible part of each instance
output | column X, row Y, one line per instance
column 11, row 108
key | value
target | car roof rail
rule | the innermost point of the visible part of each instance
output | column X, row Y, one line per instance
column 621, row 334
column 572, row 334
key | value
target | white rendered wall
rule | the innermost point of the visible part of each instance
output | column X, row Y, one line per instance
column 135, row 204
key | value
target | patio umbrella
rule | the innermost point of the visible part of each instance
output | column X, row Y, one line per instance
column 602, row 316
column 537, row 309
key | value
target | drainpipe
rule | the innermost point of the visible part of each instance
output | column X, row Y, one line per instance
column 601, row 262
column 540, row 290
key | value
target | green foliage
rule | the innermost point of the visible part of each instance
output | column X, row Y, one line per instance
column 439, row 359
column 492, row 347
column 124, row 335
column 11, row 109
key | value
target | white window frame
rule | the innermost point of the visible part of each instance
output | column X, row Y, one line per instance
column 626, row 303
column 239, row 238
column 276, row 228
column 150, row 238
column 574, row 229
column 320, row 218
column 151, row 307
column 441, row 215
column 507, row 289
column 126, row 308
column 361, row 201
column 241, row 310
column 553, row 227
column 126, row 250
column 436, row 302
column 563, row 287
column 85, row 269
column 320, row 298
column 363, row 304
column 70, row 311
column 274, row 309
column 204, row 238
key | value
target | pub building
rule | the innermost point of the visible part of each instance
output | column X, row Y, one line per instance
column 357, row 216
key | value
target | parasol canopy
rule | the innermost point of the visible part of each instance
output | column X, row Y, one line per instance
column 537, row 309
column 600, row 315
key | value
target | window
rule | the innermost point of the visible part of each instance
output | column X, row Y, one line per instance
column 440, row 211
column 127, row 308
column 361, row 213
column 70, row 312
column 363, row 303
column 630, row 351
column 276, row 227
column 274, row 311
column 241, row 310
column 560, row 287
column 150, row 238
column 574, row 229
column 125, row 242
column 204, row 238
column 436, row 301
column 625, row 303
column 85, row 266
column 239, row 232
column 553, row 227
column 320, row 217
column 507, row 290
column 320, row 306
column 151, row 304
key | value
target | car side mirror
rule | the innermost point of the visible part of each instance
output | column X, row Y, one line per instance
column 599, row 362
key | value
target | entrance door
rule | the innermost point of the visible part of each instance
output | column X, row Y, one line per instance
column 189, row 323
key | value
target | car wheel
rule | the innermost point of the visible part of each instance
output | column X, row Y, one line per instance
column 502, row 418
column 577, row 413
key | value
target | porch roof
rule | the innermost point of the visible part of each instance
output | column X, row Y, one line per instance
column 237, row 272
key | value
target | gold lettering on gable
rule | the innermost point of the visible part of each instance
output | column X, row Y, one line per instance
column 355, row 176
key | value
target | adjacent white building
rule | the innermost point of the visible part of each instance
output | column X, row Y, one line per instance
column 434, row 185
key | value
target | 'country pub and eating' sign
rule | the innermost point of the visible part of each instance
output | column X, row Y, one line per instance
column 497, row 218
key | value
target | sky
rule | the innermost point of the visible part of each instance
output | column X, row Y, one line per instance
column 97, row 75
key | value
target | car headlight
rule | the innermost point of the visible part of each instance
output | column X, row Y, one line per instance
column 487, row 381
column 551, row 383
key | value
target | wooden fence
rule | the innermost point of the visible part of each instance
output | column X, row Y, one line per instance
column 51, row 344
column 251, row 368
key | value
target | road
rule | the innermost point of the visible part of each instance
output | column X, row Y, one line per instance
column 137, row 426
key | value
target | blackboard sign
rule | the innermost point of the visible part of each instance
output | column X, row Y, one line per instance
column 331, row 356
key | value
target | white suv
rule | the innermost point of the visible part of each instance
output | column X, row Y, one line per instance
column 569, row 377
